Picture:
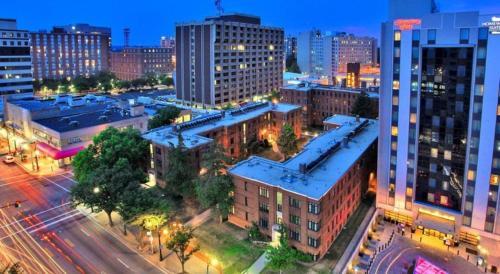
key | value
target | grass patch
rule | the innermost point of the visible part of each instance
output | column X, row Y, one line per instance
column 296, row 268
column 228, row 244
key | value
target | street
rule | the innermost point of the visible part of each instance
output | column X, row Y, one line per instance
column 46, row 235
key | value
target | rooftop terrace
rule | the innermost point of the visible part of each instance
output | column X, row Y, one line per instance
column 321, row 163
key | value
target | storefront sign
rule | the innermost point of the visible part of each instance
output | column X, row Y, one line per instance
column 406, row 24
column 493, row 25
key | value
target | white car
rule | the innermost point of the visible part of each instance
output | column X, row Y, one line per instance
column 9, row 159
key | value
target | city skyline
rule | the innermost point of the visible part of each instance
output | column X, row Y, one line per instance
column 152, row 20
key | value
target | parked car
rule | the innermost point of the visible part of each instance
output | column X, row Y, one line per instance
column 9, row 159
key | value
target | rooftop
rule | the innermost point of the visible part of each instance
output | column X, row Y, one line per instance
column 321, row 163
column 85, row 120
column 191, row 130
column 59, row 102
column 307, row 87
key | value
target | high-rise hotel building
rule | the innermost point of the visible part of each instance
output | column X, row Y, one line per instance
column 439, row 143
column 70, row 51
column 15, row 62
column 227, row 59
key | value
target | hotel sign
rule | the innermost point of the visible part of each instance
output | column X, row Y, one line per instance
column 493, row 25
column 406, row 24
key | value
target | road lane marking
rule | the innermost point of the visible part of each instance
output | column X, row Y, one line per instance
column 85, row 232
column 69, row 178
column 31, row 216
column 40, row 226
column 123, row 263
column 56, row 184
column 28, row 180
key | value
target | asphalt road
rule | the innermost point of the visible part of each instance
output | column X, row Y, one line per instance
column 48, row 236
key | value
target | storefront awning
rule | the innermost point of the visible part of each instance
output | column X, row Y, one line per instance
column 435, row 222
column 57, row 154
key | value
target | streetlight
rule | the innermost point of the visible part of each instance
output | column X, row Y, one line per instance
column 37, row 153
column 212, row 262
column 96, row 190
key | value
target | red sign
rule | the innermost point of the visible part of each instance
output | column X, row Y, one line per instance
column 406, row 24
column 425, row 267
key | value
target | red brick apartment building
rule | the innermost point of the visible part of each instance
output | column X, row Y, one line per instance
column 232, row 129
column 134, row 62
column 314, row 193
column 321, row 101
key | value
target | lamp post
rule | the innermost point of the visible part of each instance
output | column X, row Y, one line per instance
column 36, row 159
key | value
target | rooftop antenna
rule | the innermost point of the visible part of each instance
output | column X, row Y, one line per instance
column 218, row 6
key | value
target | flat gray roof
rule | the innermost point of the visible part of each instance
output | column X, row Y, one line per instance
column 308, row 88
column 167, row 136
column 324, row 168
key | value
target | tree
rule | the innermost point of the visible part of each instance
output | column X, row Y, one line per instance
column 214, row 186
column 114, row 164
column 102, row 190
column 153, row 221
column 164, row 116
column 165, row 80
column 138, row 202
column 287, row 141
column 363, row 106
column 179, row 241
column 180, row 173
column 281, row 256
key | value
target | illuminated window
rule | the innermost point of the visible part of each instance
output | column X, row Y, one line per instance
column 391, row 187
column 395, row 84
column 241, row 47
column 270, row 58
column 271, row 47
column 444, row 200
column 409, row 191
column 494, row 179
column 430, row 197
column 498, row 110
column 413, row 118
column 394, row 131
column 394, row 145
column 434, row 152
column 218, row 68
column 395, row 100
column 397, row 36
column 447, row 155
column 471, row 175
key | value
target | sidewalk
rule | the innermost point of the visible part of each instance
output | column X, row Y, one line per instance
column 258, row 265
column 170, row 264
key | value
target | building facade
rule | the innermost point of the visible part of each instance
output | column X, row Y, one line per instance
column 290, row 46
column 320, row 101
column 327, row 55
column 15, row 62
column 439, row 153
column 232, row 129
column 135, row 62
column 312, row 194
column 167, row 42
column 70, row 51
column 227, row 59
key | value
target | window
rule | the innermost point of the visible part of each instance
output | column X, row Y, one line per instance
column 312, row 242
column 294, row 235
column 430, row 197
column 279, row 201
column 294, row 202
column 294, row 219
column 464, row 35
column 263, row 222
column 482, row 33
column 444, row 200
column 471, row 175
column 313, row 226
column 466, row 220
column 397, row 36
column 264, row 192
column 246, row 186
column 494, row 179
column 394, row 131
column 431, row 36
column 264, row 207
column 415, row 35
column 313, row 208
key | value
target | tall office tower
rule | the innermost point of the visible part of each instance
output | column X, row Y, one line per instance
column 327, row 55
column 290, row 46
column 15, row 62
column 310, row 52
column 439, row 142
column 227, row 59
column 70, row 51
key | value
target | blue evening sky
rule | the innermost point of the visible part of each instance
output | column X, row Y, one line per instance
column 150, row 19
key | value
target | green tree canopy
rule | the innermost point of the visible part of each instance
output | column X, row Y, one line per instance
column 363, row 106
column 283, row 257
column 287, row 141
column 179, row 241
column 164, row 116
column 291, row 64
column 115, row 163
column 180, row 174
column 214, row 186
